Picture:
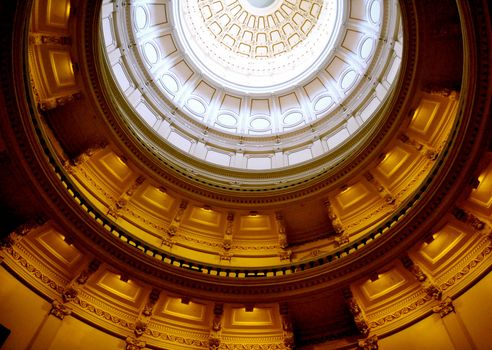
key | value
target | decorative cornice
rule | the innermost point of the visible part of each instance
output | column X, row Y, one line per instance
column 402, row 312
column 34, row 272
column 467, row 269
column 419, row 303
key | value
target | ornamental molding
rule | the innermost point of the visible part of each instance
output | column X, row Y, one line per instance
column 99, row 309
column 469, row 267
column 31, row 273
column 82, row 303
column 201, row 340
column 402, row 312
column 418, row 304
column 253, row 346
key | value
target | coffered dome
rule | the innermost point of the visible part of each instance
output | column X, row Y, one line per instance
column 255, row 50
column 254, row 85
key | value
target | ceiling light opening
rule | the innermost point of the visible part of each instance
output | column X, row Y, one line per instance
column 124, row 278
column 249, row 308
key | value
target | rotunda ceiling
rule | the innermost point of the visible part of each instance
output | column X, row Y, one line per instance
column 406, row 208
column 254, row 85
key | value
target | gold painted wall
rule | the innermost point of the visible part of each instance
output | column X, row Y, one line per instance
column 32, row 327
column 27, row 316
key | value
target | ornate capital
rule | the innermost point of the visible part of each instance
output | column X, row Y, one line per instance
column 21, row 231
column 7, row 241
column 69, row 294
column 225, row 255
column 433, row 292
column 468, row 218
column 370, row 343
column 282, row 236
column 46, row 104
column 59, row 310
column 87, row 154
column 213, row 343
column 134, row 344
column 167, row 242
column 356, row 312
column 285, row 254
column 414, row 269
column 149, row 307
column 445, row 307
column 335, row 220
column 441, row 91
column 342, row 239
column 85, row 274
column 139, row 328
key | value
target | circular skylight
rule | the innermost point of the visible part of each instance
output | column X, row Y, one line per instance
column 254, row 84
column 262, row 3
column 257, row 47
